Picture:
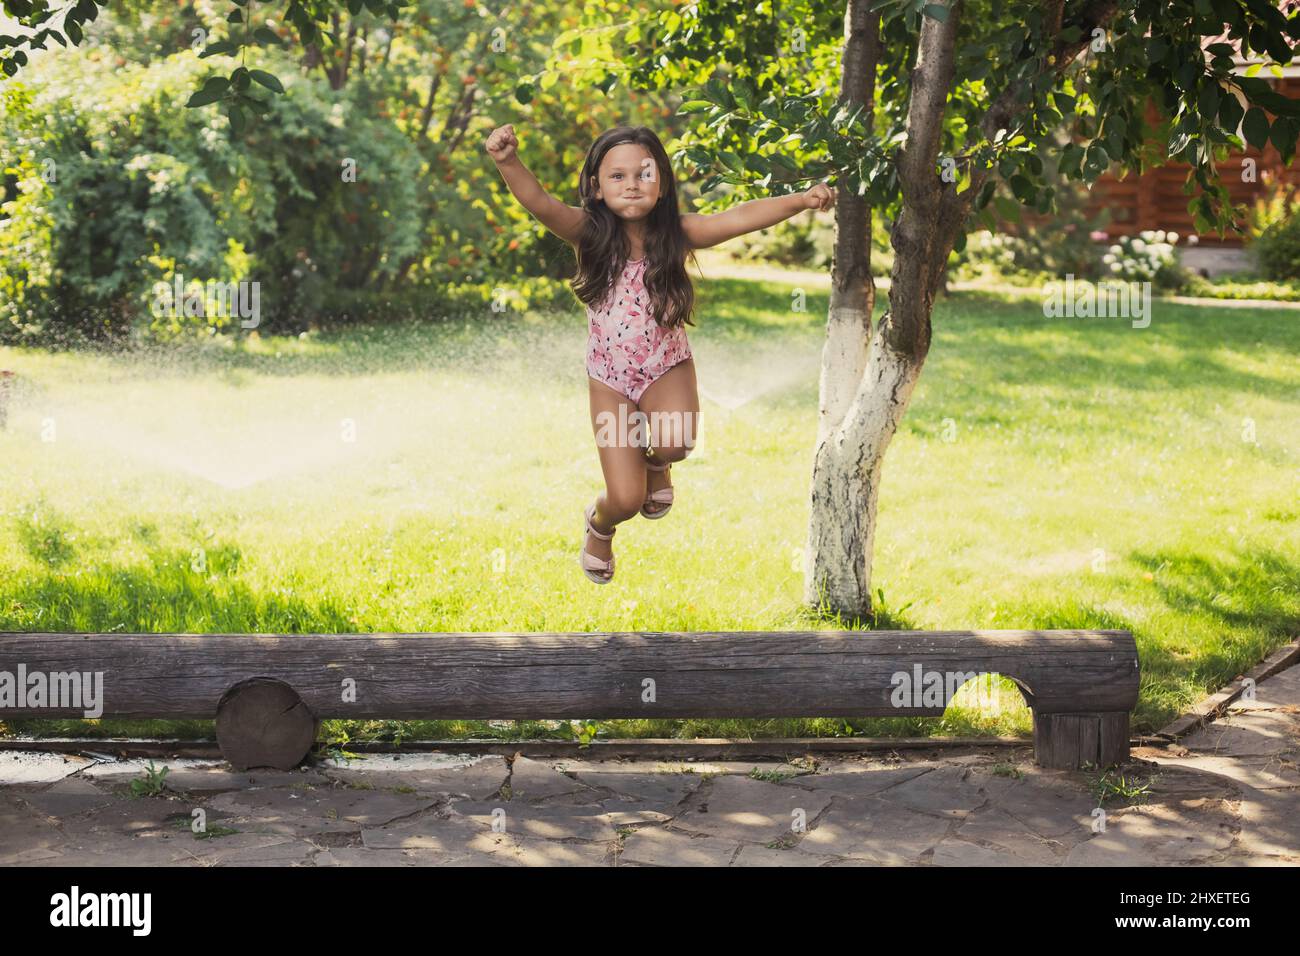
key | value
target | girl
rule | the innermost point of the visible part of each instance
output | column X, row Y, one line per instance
column 631, row 243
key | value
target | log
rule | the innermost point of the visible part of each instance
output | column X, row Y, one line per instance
column 590, row 675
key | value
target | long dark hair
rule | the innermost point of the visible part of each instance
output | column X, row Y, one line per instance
column 603, row 247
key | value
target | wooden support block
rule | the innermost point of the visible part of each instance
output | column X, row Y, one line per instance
column 262, row 722
column 1071, row 741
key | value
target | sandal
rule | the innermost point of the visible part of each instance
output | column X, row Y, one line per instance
column 601, row 572
column 664, row 496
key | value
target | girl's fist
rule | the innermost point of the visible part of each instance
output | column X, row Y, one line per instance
column 820, row 197
column 501, row 143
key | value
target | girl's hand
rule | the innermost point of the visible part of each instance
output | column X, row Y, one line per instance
column 502, row 144
column 820, row 197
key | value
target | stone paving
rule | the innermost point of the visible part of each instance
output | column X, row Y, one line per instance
column 1229, row 794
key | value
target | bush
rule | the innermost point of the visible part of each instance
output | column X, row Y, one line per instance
column 1243, row 287
column 1277, row 249
column 1147, row 257
column 806, row 241
column 113, row 185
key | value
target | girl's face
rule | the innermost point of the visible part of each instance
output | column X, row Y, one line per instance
column 628, row 181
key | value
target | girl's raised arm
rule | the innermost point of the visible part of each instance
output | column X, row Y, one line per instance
column 565, row 221
column 704, row 231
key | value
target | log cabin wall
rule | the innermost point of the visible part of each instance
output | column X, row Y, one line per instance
column 1155, row 199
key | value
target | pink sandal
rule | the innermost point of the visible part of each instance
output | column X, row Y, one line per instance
column 593, row 567
column 664, row 496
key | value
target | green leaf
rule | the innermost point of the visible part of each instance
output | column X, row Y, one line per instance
column 1071, row 160
column 266, row 36
column 254, row 103
column 1022, row 187
column 720, row 94
column 1255, row 127
column 1230, row 114
column 271, row 82
column 221, row 47
column 524, row 93
column 211, row 91
column 237, row 119
column 695, row 106
column 731, row 160
column 1208, row 101
column 936, row 11
column 1095, row 162
column 1282, row 136
column 73, row 31
column 1277, row 47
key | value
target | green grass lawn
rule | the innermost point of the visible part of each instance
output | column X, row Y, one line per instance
column 1050, row 473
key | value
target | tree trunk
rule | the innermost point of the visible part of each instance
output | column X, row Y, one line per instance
column 867, row 379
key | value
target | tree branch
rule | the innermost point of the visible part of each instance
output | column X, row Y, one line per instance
column 954, row 207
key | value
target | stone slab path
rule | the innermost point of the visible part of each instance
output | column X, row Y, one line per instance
column 1228, row 794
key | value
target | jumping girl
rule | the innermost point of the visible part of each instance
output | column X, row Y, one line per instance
column 632, row 242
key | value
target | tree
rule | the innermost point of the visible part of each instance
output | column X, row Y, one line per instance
column 37, row 22
column 938, row 108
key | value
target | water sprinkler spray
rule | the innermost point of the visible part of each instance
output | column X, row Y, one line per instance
column 6, row 389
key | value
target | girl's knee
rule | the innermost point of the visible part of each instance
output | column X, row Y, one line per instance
column 622, row 504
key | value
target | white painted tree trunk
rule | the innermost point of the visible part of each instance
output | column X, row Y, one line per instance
column 860, row 412
column 868, row 375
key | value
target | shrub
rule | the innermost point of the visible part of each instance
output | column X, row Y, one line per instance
column 113, row 185
column 1149, row 256
column 1277, row 249
column 803, row 240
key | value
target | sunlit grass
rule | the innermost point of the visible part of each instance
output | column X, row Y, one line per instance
column 431, row 477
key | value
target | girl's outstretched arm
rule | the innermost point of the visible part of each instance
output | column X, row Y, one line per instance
column 705, row 231
column 565, row 221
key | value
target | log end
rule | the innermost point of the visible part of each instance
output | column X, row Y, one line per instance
column 262, row 722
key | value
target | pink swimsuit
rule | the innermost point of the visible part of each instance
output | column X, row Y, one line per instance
column 626, row 348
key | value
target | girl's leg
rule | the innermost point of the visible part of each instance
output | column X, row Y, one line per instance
column 672, row 406
column 621, row 460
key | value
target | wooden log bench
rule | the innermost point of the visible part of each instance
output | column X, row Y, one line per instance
column 268, row 693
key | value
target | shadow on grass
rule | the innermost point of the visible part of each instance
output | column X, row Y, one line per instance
column 1253, row 599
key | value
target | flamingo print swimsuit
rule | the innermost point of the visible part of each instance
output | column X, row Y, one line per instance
column 626, row 348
